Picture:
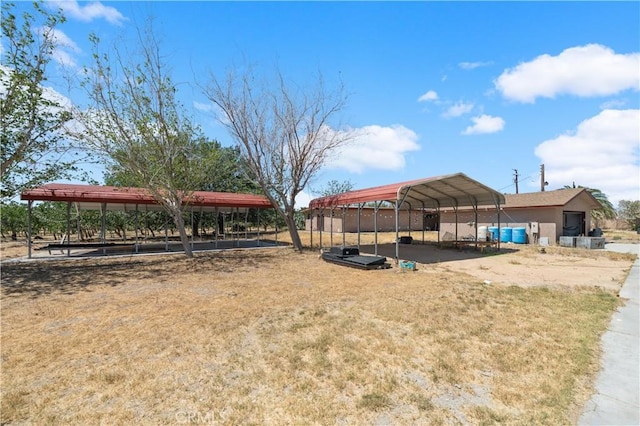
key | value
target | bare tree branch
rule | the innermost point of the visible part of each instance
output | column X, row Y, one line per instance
column 286, row 134
column 136, row 122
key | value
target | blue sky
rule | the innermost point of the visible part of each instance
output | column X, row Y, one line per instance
column 435, row 88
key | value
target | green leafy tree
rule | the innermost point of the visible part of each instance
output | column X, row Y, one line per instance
column 51, row 218
column 34, row 148
column 284, row 132
column 118, row 222
column 629, row 211
column 224, row 170
column 13, row 219
column 136, row 123
column 334, row 187
column 607, row 211
column 88, row 223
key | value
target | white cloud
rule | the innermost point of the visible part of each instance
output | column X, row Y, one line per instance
column 376, row 147
column 484, row 124
column 429, row 96
column 613, row 104
column 63, row 40
column 58, row 100
column 590, row 70
column 65, row 47
column 302, row 200
column 89, row 12
column 204, row 107
column 473, row 65
column 458, row 109
column 602, row 153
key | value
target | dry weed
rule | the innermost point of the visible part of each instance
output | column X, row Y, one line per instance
column 278, row 337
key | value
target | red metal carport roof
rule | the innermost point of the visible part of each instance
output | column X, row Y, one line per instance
column 91, row 197
column 454, row 190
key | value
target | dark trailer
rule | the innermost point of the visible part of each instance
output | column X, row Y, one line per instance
column 350, row 256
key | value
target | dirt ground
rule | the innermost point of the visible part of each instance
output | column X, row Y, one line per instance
column 524, row 266
column 271, row 336
column 513, row 264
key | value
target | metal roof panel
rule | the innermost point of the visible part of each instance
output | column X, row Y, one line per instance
column 454, row 190
column 92, row 197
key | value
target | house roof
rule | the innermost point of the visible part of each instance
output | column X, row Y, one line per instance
column 556, row 198
column 436, row 192
column 91, row 197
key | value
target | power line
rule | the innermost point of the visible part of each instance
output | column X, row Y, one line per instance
column 531, row 175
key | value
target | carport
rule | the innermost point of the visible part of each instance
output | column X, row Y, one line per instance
column 126, row 199
column 452, row 191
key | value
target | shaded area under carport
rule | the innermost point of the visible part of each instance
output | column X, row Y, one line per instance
column 430, row 253
column 135, row 200
column 63, row 251
column 426, row 195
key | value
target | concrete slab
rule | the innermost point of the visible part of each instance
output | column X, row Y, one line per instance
column 617, row 397
column 146, row 249
column 623, row 248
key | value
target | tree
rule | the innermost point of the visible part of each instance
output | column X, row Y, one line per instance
column 607, row 211
column 137, row 124
column 34, row 149
column 223, row 170
column 13, row 219
column 629, row 211
column 334, row 187
column 50, row 217
column 284, row 132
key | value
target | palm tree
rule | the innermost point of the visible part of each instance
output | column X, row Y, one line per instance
column 607, row 211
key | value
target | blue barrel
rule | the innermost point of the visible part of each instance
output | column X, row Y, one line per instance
column 506, row 234
column 494, row 232
column 520, row 235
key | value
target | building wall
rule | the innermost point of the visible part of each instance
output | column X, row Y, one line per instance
column 547, row 219
column 550, row 220
column 386, row 221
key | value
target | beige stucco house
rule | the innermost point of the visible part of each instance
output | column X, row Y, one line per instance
column 546, row 214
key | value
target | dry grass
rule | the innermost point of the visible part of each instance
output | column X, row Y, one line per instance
column 12, row 249
column 277, row 337
column 621, row 236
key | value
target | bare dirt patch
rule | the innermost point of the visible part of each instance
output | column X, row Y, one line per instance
column 277, row 337
column 525, row 266
column 552, row 267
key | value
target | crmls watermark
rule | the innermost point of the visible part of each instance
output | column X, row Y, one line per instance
column 196, row 418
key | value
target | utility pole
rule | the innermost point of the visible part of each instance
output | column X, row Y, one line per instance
column 542, row 181
column 515, row 178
